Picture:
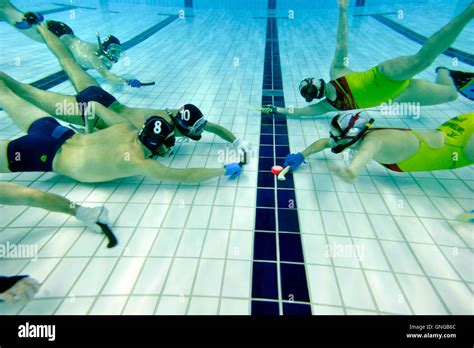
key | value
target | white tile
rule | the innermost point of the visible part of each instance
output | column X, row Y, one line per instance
column 462, row 260
column 385, row 227
column 398, row 205
column 152, row 276
column 93, row 277
column 181, row 277
column 371, row 255
column 433, row 261
column 234, row 307
column 209, row 278
column 123, row 235
column 421, row 295
column 240, row 245
column 123, row 193
column 243, row 218
column 203, row 306
column 220, row 217
column 109, row 305
column 154, row 215
column 60, row 243
column 131, row 215
column 413, row 230
column 456, row 295
column 41, row 268
column 144, row 194
column 401, row 258
column 328, row 201
column 356, row 299
column 225, row 196
column 327, row 310
column 388, row 295
column 29, row 218
column 237, row 278
column 310, row 222
column 86, row 244
column 191, row 243
column 176, row 216
column 373, row 203
column 41, row 307
column 343, row 252
column 199, row 216
column 246, row 197
column 359, row 225
column 350, row 202
column 75, row 306
column 140, row 305
column 442, row 232
column 141, row 242
column 166, row 242
column 323, row 285
column 164, row 194
column 172, row 305
column 123, row 277
column 215, row 245
column 334, row 223
column 315, row 249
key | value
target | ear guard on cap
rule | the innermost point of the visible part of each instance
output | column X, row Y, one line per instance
column 310, row 89
column 190, row 121
column 155, row 132
column 350, row 132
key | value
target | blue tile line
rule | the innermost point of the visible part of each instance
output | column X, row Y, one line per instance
column 60, row 76
column 410, row 34
column 279, row 274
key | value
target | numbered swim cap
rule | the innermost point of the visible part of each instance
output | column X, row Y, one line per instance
column 311, row 88
column 350, row 128
column 156, row 132
column 190, row 121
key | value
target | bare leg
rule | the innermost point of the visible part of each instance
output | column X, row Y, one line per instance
column 79, row 78
column 12, row 15
column 428, row 93
column 61, row 106
column 12, row 194
column 22, row 112
column 405, row 68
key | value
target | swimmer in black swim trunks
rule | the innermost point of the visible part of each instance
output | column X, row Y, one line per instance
column 100, row 56
column 187, row 121
column 116, row 152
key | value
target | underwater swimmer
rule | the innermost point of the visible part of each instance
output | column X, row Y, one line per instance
column 100, row 56
column 390, row 80
column 187, row 121
column 449, row 146
column 116, row 152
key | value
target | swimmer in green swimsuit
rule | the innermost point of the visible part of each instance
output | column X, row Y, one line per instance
column 392, row 80
column 449, row 146
column 100, row 56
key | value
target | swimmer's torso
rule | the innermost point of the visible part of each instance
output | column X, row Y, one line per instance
column 359, row 90
column 102, row 156
column 86, row 53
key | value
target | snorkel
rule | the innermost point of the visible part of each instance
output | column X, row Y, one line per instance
column 105, row 51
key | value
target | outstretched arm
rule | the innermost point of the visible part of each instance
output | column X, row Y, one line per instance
column 220, row 131
column 339, row 62
column 317, row 146
column 317, row 109
column 366, row 152
column 111, row 77
column 190, row 175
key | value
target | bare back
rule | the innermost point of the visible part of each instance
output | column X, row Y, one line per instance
column 103, row 156
column 85, row 53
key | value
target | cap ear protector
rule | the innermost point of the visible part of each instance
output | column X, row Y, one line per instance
column 105, row 45
column 190, row 121
column 156, row 131
column 310, row 89
column 350, row 132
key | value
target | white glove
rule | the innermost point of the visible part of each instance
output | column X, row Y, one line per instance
column 90, row 216
column 23, row 291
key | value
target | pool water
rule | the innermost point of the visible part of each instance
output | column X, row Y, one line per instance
column 389, row 244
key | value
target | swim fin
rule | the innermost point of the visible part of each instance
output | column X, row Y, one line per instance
column 464, row 82
column 30, row 19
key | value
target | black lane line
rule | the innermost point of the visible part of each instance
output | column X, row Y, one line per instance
column 418, row 38
column 279, row 274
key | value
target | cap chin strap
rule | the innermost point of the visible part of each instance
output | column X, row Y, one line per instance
column 341, row 147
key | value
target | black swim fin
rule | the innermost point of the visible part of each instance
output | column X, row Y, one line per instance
column 464, row 82
column 109, row 234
